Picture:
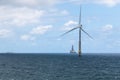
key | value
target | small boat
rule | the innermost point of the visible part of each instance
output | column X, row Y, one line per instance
column 72, row 51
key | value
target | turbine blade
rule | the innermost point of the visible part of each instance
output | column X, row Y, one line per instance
column 69, row 31
column 86, row 32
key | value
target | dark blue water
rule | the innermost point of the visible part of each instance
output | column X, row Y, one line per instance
column 59, row 67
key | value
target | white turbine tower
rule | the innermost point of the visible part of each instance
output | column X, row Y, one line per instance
column 80, row 30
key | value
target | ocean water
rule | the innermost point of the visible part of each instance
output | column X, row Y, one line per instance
column 59, row 67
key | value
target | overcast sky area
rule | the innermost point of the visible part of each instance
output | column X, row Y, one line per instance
column 35, row 26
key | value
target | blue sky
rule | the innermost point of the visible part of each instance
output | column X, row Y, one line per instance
column 35, row 26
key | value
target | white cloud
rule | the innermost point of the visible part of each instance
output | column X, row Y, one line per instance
column 5, row 33
column 109, row 3
column 53, row 12
column 23, row 16
column 107, row 27
column 69, row 25
column 27, row 37
column 19, row 16
column 39, row 3
column 41, row 29
column 32, row 35
column 47, row 3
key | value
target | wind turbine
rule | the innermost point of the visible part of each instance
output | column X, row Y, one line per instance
column 80, row 30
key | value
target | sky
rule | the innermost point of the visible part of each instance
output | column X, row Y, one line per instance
column 35, row 26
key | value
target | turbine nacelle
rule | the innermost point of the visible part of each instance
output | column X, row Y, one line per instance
column 80, row 25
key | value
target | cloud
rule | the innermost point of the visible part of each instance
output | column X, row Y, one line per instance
column 54, row 12
column 109, row 3
column 107, row 27
column 19, row 16
column 69, row 25
column 47, row 3
column 27, row 37
column 41, row 29
column 23, row 16
column 32, row 3
column 4, row 33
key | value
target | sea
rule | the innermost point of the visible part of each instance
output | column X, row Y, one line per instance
column 59, row 67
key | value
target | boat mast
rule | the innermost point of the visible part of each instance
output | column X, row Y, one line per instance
column 72, row 48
